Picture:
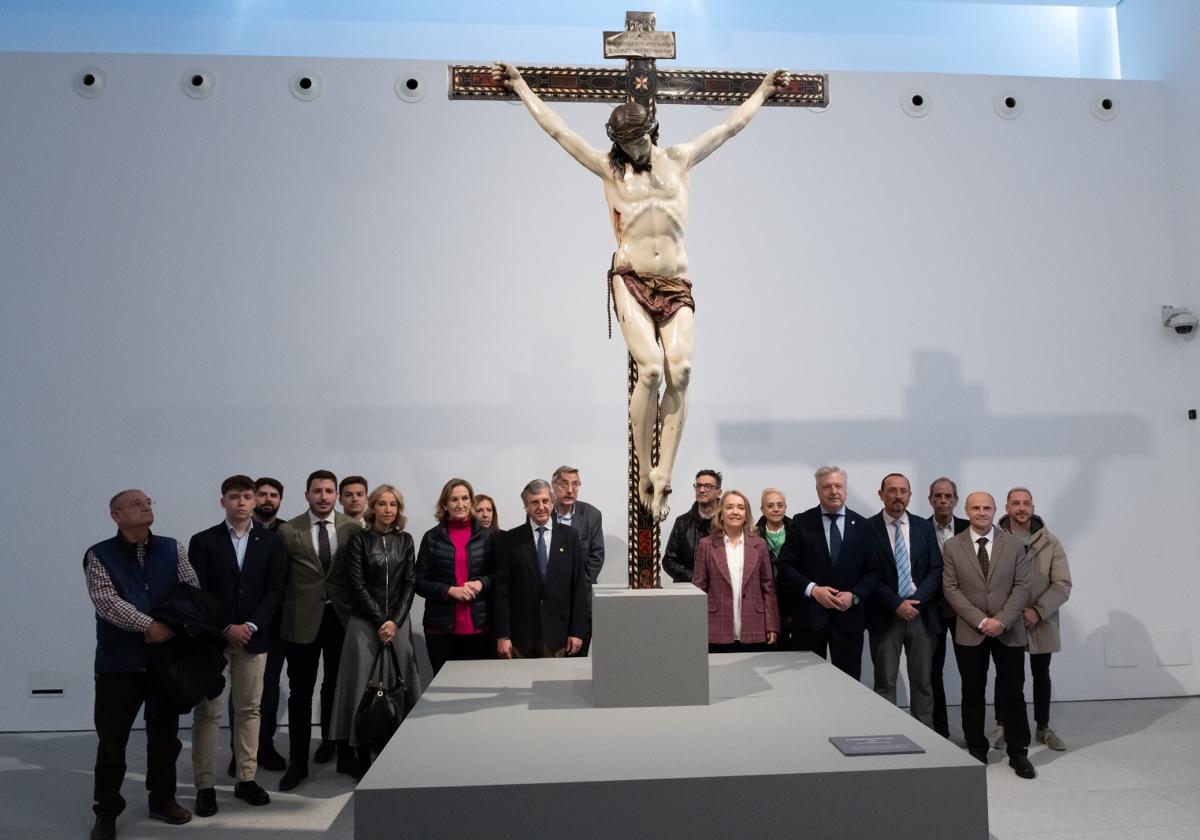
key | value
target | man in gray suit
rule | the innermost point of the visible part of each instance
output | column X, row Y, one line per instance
column 985, row 579
column 585, row 519
column 314, row 621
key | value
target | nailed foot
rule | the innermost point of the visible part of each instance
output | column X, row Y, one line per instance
column 660, row 482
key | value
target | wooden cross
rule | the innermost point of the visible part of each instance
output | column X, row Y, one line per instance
column 641, row 45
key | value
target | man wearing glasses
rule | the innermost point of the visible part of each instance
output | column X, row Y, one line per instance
column 689, row 527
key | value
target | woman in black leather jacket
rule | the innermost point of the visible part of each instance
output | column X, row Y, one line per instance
column 455, row 567
column 381, row 577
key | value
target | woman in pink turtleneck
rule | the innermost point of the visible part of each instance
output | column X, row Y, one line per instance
column 454, row 575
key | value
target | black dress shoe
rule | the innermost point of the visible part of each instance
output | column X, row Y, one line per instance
column 251, row 792
column 270, row 759
column 348, row 765
column 170, row 812
column 325, row 752
column 980, row 756
column 105, row 828
column 293, row 776
column 206, row 802
column 1022, row 767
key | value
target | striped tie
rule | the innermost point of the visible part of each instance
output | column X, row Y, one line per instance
column 903, row 569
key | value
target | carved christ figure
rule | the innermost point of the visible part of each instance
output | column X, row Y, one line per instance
column 647, row 193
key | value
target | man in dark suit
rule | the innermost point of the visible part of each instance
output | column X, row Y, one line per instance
column 243, row 566
column 588, row 524
column 314, row 621
column 827, row 561
column 268, row 496
column 985, row 578
column 585, row 519
column 542, row 587
column 943, row 498
column 903, row 612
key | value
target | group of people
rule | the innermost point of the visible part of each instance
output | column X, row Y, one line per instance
column 821, row 580
column 327, row 588
column 331, row 587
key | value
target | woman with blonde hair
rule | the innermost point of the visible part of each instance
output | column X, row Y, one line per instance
column 381, row 580
column 733, row 566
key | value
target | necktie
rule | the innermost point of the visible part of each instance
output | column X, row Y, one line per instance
column 323, row 552
column 983, row 555
column 835, row 538
column 542, row 552
column 903, row 569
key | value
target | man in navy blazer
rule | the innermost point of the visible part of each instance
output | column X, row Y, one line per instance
column 243, row 565
column 903, row 611
column 827, row 561
column 542, row 591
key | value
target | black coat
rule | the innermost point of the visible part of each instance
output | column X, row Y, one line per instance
column 531, row 609
column 190, row 666
column 435, row 575
column 680, row 557
column 805, row 559
column 253, row 593
column 382, row 573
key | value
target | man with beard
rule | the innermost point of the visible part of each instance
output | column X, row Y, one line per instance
column 646, row 189
column 692, row 526
column 268, row 496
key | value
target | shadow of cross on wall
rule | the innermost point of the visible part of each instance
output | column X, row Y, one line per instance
column 946, row 424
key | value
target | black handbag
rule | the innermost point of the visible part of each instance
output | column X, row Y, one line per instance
column 382, row 706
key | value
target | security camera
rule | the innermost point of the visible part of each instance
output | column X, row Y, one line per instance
column 1180, row 319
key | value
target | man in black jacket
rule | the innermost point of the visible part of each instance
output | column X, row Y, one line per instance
column 943, row 498
column 690, row 527
column 243, row 566
column 542, row 587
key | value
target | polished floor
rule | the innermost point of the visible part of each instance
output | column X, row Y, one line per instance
column 1132, row 771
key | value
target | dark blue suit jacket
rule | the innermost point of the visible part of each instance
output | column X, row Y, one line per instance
column 925, row 559
column 804, row 559
column 529, row 608
column 254, row 593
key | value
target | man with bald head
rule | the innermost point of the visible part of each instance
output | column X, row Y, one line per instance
column 986, row 579
column 127, row 575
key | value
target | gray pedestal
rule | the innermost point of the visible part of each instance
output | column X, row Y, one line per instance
column 650, row 647
column 519, row 750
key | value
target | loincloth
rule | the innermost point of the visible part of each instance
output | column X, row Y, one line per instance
column 661, row 297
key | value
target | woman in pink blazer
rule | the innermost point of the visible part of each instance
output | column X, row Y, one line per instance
column 733, row 551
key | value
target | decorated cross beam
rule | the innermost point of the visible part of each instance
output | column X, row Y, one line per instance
column 647, row 279
column 640, row 45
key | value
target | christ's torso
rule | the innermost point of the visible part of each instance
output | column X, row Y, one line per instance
column 649, row 212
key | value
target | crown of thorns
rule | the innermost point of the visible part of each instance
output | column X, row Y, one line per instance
column 629, row 122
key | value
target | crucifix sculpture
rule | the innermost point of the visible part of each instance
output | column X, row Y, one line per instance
column 646, row 189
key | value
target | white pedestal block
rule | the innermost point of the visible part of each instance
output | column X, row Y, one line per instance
column 649, row 647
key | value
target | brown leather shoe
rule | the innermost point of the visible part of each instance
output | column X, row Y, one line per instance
column 170, row 812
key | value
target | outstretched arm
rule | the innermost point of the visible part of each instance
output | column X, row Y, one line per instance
column 711, row 140
column 552, row 123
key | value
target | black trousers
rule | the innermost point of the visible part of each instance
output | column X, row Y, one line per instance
column 941, row 724
column 302, row 663
column 118, row 698
column 1039, row 667
column 1010, row 694
column 843, row 649
column 450, row 647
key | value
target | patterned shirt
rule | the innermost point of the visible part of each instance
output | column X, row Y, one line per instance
column 112, row 607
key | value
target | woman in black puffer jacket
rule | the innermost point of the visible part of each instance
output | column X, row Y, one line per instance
column 381, row 577
column 454, row 575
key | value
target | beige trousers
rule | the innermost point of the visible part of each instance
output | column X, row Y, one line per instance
column 244, row 671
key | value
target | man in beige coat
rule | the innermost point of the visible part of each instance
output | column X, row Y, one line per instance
column 1049, row 589
column 985, row 579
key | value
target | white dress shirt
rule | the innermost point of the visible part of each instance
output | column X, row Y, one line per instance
column 314, row 530
column 735, row 559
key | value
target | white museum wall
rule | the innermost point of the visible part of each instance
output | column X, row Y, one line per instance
column 412, row 291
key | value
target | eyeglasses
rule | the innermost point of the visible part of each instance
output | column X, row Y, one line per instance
column 699, row 486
